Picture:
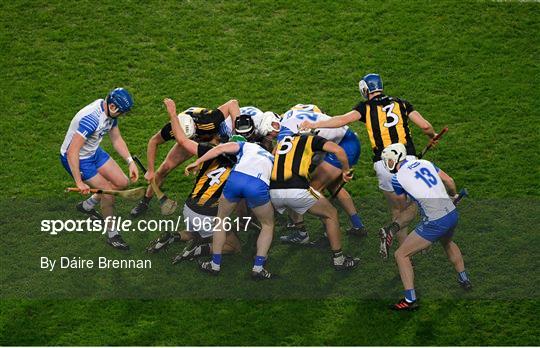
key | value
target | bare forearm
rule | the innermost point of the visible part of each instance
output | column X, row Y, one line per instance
column 334, row 122
column 73, row 161
column 121, row 148
column 151, row 151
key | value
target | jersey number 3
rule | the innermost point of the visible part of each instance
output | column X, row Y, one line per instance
column 390, row 115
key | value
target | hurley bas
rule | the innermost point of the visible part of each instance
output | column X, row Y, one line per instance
column 102, row 263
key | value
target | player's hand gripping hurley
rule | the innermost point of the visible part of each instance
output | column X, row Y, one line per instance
column 167, row 206
column 432, row 142
column 136, row 193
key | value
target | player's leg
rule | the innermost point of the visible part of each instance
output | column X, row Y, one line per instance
column 404, row 216
column 107, row 207
column 176, row 156
column 328, row 175
column 323, row 209
column 412, row 244
column 222, row 225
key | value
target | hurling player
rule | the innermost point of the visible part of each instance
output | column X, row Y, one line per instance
column 430, row 188
column 92, row 167
column 387, row 122
column 207, row 123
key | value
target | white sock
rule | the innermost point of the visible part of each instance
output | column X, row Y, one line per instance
column 257, row 268
column 90, row 203
column 112, row 233
column 215, row 266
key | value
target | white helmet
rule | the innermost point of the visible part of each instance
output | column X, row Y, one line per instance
column 187, row 124
column 269, row 123
column 308, row 107
column 395, row 153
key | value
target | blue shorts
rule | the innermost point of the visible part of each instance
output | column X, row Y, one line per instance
column 242, row 186
column 88, row 166
column 351, row 145
column 442, row 227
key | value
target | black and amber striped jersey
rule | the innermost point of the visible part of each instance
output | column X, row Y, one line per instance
column 387, row 122
column 293, row 161
column 209, row 183
column 207, row 122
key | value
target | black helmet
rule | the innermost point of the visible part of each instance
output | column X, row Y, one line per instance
column 244, row 126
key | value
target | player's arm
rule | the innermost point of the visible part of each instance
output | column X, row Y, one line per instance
column 230, row 148
column 232, row 109
column 333, row 122
column 72, row 155
column 449, row 183
column 151, row 152
column 338, row 151
column 121, row 148
column 179, row 135
column 421, row 122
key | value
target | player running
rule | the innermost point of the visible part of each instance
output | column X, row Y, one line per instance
column 206, row 123
column 248, row 180
column 200, row 208
column 430, row 188
column 289, row 187
column 328, row 173
column 387, row 122
column 92, row 167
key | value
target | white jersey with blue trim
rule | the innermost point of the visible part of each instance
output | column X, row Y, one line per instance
column 420, row 180
column 256, row 114
column 92, row 123
column 255, row 161
column 292, row 119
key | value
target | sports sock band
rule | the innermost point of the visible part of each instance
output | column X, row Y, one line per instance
column 356, row 221
column 410, row 295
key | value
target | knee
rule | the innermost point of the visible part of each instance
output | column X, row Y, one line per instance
column 398, row 254
column 164, row 169
column 121, row 183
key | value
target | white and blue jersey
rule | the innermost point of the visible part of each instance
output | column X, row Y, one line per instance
column 290, row 124
column 342, row 136
column 250, row 177
column 256, row 114
column 419, row 179
column 92, row 124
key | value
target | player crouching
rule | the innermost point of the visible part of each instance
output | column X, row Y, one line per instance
column 201, row 207
column 430, row 188
column 249, row 180
column 89, row 165
column 289, row 187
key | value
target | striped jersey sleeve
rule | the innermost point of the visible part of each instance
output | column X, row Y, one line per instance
column 398, row 189
column 88, row 125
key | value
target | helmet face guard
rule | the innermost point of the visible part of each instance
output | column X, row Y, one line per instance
column 244, row 126
column 121, row 99
column 268, row 122
column 392, row 155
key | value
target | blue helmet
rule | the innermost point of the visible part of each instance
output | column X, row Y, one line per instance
column 121, row 98
column 369, row 84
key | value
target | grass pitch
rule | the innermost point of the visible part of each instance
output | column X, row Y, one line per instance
column 470, row 65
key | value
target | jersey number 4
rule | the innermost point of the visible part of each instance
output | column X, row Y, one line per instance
column 215, row 175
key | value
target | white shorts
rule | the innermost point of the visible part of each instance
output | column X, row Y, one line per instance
column 299, row 200
column 384, row 175
column 201, row 224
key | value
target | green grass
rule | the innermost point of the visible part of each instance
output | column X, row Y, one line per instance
column 470, row 65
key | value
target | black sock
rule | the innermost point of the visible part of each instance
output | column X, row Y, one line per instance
column 146, row 199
